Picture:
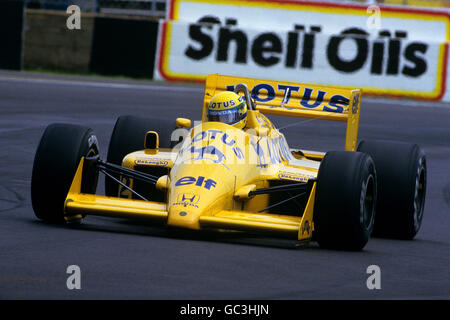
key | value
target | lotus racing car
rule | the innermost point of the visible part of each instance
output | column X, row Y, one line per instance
column 215, row 176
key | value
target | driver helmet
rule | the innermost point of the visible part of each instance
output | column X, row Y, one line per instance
column 228, row 107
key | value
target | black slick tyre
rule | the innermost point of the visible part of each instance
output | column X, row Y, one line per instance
column 128, row 136
column 344, row 208
column 55, row 163
column 402, row 179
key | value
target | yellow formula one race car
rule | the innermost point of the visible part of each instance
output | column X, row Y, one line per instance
column 244, row 177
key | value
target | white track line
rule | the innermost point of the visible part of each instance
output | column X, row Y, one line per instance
column 99, row 84
column 409, row 103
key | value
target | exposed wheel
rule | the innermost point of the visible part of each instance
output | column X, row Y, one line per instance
column 402, row 178
column 344, row 208
column 55, row 163
column 128, row 136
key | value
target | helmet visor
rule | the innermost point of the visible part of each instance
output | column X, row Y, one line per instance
column 230, row 116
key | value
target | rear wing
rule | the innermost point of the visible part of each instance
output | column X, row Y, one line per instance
column 295, row 100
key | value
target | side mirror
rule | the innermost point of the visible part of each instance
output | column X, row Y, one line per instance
column 183, row 123
column 163, row 183
column 151, row 140
column 245, row 192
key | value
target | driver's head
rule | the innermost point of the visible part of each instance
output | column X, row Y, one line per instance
column 228, row 107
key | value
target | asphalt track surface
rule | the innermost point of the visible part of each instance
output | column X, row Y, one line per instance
column 124, row 260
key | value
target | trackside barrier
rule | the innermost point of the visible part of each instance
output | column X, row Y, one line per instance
column 108, row 45
column 124, row 47
column 11, row 29
column 323, row 44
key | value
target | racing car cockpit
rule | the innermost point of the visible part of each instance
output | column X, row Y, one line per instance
column 236, row 110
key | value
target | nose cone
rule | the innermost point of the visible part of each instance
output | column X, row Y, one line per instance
column 209, row 166
column 184, row 215
column 195, row 188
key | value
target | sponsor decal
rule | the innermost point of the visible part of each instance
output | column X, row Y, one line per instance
column 200, row 182
column 308, row 98
column 284, row 175
column 326, row 44
column 268, row 149
column 226, row 104
column 151, row 162
column 207, row 153
column 187, row 199
column 211, row 152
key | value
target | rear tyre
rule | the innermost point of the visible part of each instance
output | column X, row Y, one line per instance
column 55, row 163
column 344, row 209
column 128, row 136
column 402, row 178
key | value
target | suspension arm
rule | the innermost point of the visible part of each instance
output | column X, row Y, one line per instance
column 284, row 188
column 112, row 168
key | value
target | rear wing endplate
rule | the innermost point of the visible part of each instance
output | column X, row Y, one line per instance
column 295, row 100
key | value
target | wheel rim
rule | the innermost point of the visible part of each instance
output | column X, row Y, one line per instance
column 367, row 202
column 93, row 146
column 91, row 154
column 419, row 195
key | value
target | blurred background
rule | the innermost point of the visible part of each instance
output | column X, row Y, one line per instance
column 157, row 7
column 110, row 42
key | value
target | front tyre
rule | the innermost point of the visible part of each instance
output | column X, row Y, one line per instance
column 55, row 163
column 402, row 177
column 128, row 136
column 344, row 208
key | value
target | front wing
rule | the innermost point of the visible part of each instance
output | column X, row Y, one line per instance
column 78, row 204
